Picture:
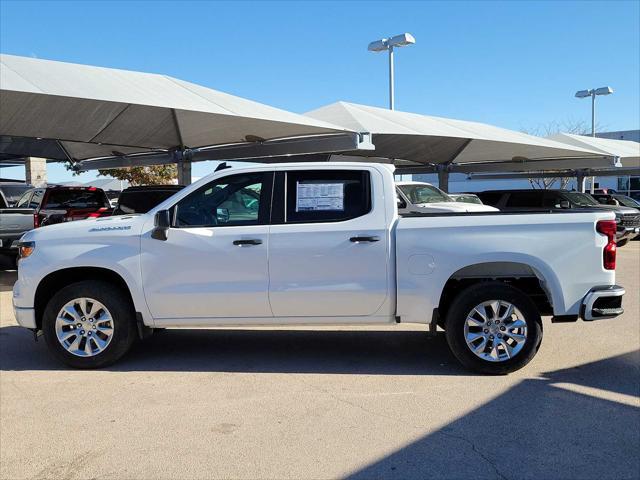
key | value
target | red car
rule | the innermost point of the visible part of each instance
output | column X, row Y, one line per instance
column 57, row 204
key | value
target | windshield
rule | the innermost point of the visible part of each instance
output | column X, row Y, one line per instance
column 141, row 201
column 13, row 192
column 467, row 199
column 424, row 194
column 626, row 201
column 580, row 199
column 76, row 199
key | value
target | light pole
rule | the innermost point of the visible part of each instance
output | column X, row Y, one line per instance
column 593, row 93
column 389, row 44
column 584, row 94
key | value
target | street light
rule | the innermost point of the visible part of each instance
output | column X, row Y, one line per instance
column 593, row 93
column 388, row 44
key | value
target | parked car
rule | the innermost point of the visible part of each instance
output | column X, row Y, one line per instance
column 616, row 199
column 420, row 197
column 628, row 219
column 13, row 223
column 56, row 204
column 12, row 191
column 144, row 198
column 466, row 198
column 313, row 244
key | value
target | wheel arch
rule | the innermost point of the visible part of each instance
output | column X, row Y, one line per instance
column 520, row 275
column 55, row 281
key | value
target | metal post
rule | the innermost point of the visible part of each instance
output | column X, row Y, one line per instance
column 443, row 178
column 391, row 80
column 593, row 113
column 184, row 168
column 580, row 181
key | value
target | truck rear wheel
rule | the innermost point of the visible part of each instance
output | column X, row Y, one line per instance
column 493, row 328
column 89, row 324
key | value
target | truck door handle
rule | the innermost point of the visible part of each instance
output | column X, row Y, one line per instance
column 252, row 241
column 364, row 239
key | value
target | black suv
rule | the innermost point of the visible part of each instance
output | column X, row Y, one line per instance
column 539, row 200
column 142, row 199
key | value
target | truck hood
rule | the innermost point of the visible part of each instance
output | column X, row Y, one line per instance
column 454, row 207
column 89, row 228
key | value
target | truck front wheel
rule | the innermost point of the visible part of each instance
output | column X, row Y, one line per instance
column 89, row 324
column 493, row 328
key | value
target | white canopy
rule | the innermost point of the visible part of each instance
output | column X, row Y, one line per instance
column 69, row 111
column 415, row 140
column 627, row 151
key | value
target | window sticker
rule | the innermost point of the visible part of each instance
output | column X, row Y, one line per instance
column 319, row 197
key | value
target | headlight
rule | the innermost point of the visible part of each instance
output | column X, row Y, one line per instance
column 26, row 248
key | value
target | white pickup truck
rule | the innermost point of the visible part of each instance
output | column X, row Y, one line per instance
column 314, row 244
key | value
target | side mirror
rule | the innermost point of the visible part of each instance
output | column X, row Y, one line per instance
column 162, row 222
column 565, row 204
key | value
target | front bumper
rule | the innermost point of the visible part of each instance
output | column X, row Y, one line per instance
column 26, row 317
column 602, row 302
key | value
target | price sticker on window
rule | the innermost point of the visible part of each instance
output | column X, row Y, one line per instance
column 318, row 196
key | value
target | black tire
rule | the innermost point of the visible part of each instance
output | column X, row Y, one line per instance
column 623, row 242
column 122, row 313
column 475, row 295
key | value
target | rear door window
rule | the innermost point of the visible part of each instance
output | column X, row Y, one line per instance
column 63, row 199
column 490, row 198
column 532, row 199
column 36, row 199
column 24, row 200
column 326, row 195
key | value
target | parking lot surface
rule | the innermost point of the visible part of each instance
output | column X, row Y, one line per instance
column 358, row 403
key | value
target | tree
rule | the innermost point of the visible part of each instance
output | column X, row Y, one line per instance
column 151, row 175
column 577, row 127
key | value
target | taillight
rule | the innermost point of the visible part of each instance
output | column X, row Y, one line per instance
column 36, row 220
column 608, row 228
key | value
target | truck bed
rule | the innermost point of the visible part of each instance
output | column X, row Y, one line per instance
column 560, row 248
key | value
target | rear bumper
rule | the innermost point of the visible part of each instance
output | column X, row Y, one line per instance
column 602, row 302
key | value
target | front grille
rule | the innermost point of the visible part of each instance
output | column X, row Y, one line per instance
column 630, row 220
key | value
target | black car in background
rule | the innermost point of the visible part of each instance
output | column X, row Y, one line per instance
column 142, row 199
column 628, row 219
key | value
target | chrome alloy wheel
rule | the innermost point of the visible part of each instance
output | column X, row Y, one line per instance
column 84, row 327
column 495, row 331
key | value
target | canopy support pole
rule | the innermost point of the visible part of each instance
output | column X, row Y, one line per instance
column 443, row 178
column 581, row 180
column 184, row 168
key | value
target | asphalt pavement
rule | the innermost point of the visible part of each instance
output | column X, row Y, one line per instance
column 356, row 403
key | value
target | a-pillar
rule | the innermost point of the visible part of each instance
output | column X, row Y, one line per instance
column 443, row 178
column 35, row 171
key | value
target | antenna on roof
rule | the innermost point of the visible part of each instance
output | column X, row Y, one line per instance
column 221, row 166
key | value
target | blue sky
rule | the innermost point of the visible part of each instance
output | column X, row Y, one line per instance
column 512, row 64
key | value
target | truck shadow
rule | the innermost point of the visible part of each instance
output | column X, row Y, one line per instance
column 259, row 351
column 579, row 422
